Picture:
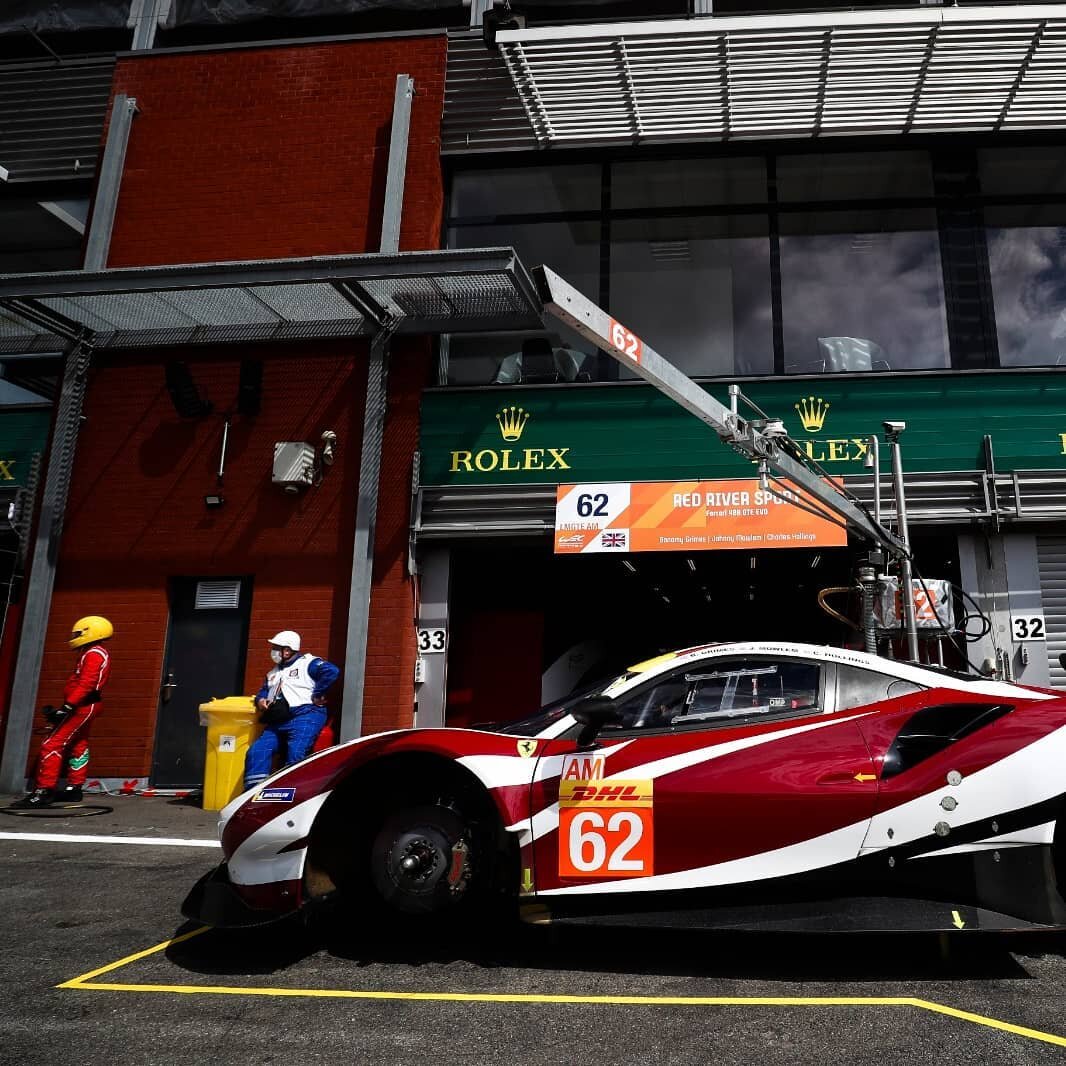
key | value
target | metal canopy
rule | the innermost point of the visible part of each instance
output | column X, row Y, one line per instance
column 863, row 72
column 288, row 299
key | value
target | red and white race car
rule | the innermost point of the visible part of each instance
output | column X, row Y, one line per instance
column 743, row 785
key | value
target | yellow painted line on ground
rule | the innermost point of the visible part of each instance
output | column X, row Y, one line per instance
column 77, row 982
column 86, row 981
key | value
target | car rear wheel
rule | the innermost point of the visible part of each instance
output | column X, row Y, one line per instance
column 422, row 860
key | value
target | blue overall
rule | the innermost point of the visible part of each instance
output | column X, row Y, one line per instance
column 297, row 733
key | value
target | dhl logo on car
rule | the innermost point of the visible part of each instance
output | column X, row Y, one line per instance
column 605, row 794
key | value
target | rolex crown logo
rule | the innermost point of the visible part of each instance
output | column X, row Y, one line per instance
column 812, row 411
column 512, row 421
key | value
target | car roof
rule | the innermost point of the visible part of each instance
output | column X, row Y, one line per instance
column 919, row 675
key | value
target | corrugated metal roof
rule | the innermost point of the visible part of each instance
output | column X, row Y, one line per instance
column 482, row 108
column 52, row 117
column 980, row 69
column 467, row 290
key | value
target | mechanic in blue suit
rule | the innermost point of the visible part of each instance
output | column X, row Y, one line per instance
column 292, row 703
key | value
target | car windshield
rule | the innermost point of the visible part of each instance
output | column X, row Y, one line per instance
column 552, row 712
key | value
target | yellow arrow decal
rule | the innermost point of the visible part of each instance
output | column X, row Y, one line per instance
column 956, row 920
column 866, row 777
column 527, row 880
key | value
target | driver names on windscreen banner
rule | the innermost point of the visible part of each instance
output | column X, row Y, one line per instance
column 606, row 827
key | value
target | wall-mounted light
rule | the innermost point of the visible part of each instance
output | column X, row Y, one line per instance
column 329, row 447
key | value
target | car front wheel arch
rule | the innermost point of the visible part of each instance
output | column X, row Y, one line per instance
column 432, row 804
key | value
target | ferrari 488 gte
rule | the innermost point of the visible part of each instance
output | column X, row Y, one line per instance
column 770, row 786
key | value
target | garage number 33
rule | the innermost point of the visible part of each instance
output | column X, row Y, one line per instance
column 606, row 827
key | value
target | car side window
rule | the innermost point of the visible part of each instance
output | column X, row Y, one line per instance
column 724, row 692
column 654, row 707
column 857, row 687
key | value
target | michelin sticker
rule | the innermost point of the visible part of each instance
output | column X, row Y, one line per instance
column 275, row 795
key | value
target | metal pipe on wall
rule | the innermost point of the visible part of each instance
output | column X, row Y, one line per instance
column 905, row 570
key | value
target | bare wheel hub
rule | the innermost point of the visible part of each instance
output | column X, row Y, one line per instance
column 418, row 860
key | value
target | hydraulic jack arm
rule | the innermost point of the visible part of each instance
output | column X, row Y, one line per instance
column 751, row 439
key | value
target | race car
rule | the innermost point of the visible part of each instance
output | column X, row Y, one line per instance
column 747, row 785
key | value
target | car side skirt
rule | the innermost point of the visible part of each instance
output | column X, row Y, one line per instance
column 1010, row 888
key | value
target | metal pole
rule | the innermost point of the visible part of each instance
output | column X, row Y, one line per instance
column 98, row 243
column 397, row 172
column 874, row 446
column 42, row 571
column 60, row 467
column 366, row 512
column 905, row 576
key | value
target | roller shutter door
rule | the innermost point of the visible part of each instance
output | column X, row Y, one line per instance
column 1051, row 559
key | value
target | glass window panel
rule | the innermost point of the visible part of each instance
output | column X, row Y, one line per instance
column 525, row 191
column 1022, row 171
column 697, row 290
column 570, row 11
column 688, row 183
column 1027, row 260
column 572, row 249
column 853, row 176
column 862, row 290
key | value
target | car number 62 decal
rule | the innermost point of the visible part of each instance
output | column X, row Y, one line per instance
column 606, row 828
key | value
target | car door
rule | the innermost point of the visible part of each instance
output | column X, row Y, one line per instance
column 719, row 772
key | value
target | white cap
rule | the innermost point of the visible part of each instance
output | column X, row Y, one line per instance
column 287, row 639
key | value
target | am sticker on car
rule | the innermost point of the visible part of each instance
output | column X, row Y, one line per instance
column 606, row 828
column 275, row 795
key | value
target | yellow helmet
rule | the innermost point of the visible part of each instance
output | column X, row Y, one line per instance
column 89, row 630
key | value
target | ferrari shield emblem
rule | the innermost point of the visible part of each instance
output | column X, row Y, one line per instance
column 527, row 748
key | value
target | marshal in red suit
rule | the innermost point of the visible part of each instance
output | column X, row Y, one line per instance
column 68, row 740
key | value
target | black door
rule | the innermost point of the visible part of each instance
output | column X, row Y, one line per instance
column 206, row 649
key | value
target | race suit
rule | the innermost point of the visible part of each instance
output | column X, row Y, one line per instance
column 300, row 681
column 71, row 736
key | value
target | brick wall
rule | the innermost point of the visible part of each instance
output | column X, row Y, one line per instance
column 253, row 153
column 275, row 152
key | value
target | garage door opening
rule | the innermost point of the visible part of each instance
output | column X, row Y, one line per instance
column 528, row 627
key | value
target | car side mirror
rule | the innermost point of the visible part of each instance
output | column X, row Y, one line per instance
column 1062, row 659
column 593, row 714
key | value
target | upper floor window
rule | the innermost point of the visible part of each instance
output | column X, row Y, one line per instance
column 795, row 262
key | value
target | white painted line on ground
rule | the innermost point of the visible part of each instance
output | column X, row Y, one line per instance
column 75, row 838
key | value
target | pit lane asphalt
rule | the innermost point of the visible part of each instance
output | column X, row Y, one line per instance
column 71, row 908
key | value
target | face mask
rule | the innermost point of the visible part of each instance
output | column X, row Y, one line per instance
column 275, row 655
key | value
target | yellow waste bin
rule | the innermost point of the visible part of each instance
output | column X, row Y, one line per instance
column 232, row 726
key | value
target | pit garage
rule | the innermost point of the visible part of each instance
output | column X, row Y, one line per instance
column 526, row 627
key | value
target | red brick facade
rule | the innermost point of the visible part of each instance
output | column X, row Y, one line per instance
column 243, row 154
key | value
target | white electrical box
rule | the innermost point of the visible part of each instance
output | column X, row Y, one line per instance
column 294, row 464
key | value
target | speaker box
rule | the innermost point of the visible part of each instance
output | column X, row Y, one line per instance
column 184, row 395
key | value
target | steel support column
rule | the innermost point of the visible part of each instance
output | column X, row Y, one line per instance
column 106, row 203
column 366, row 513
column 397, row 171
column 145, row 16
column 42, row 571
column 60, row 467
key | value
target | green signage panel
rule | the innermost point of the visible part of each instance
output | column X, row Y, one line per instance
column 634, row 433
column 22, row 433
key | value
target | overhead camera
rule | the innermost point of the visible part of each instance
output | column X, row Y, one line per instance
column 893, row 429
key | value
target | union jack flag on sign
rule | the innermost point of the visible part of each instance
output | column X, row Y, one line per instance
column 613, row 540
